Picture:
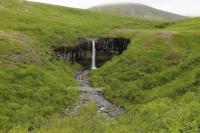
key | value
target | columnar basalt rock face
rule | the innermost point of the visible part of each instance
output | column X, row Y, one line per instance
column 106, row 48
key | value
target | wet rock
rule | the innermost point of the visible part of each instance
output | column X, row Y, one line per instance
column 106, row 48
column 90, row 95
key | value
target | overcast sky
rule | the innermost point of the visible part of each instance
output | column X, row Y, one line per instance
column 183, row 7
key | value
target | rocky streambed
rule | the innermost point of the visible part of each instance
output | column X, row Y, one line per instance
column 89, row 94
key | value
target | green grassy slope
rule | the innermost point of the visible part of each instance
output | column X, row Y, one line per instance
column 33, row 86
column 138, row 10
column 189, row 25
column 54, row 25
column 157, row 79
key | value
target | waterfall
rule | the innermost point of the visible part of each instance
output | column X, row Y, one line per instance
column 93, row 55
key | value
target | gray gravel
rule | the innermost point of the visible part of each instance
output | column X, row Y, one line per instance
column 89, row 94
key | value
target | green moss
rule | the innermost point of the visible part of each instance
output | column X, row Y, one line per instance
column 156, row 79
column 153, row 79
column 30, row 92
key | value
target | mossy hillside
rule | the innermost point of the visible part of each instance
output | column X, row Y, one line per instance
column 33, row 84
column 30, row 93
column 156, row 80
column 55, row 25
column 188, row 25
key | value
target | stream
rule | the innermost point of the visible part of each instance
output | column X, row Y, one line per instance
column 89, row 94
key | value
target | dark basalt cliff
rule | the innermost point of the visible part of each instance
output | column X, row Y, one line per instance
column 106, row 48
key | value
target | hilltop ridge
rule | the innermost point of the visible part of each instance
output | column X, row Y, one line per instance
column 138, row 10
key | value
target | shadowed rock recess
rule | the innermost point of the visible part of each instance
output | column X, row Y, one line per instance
column 106, row 48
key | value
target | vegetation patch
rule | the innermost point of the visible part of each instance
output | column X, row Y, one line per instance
column 30, row 93
column 156, row 79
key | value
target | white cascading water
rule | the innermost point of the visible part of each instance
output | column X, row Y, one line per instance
column 93, row 55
